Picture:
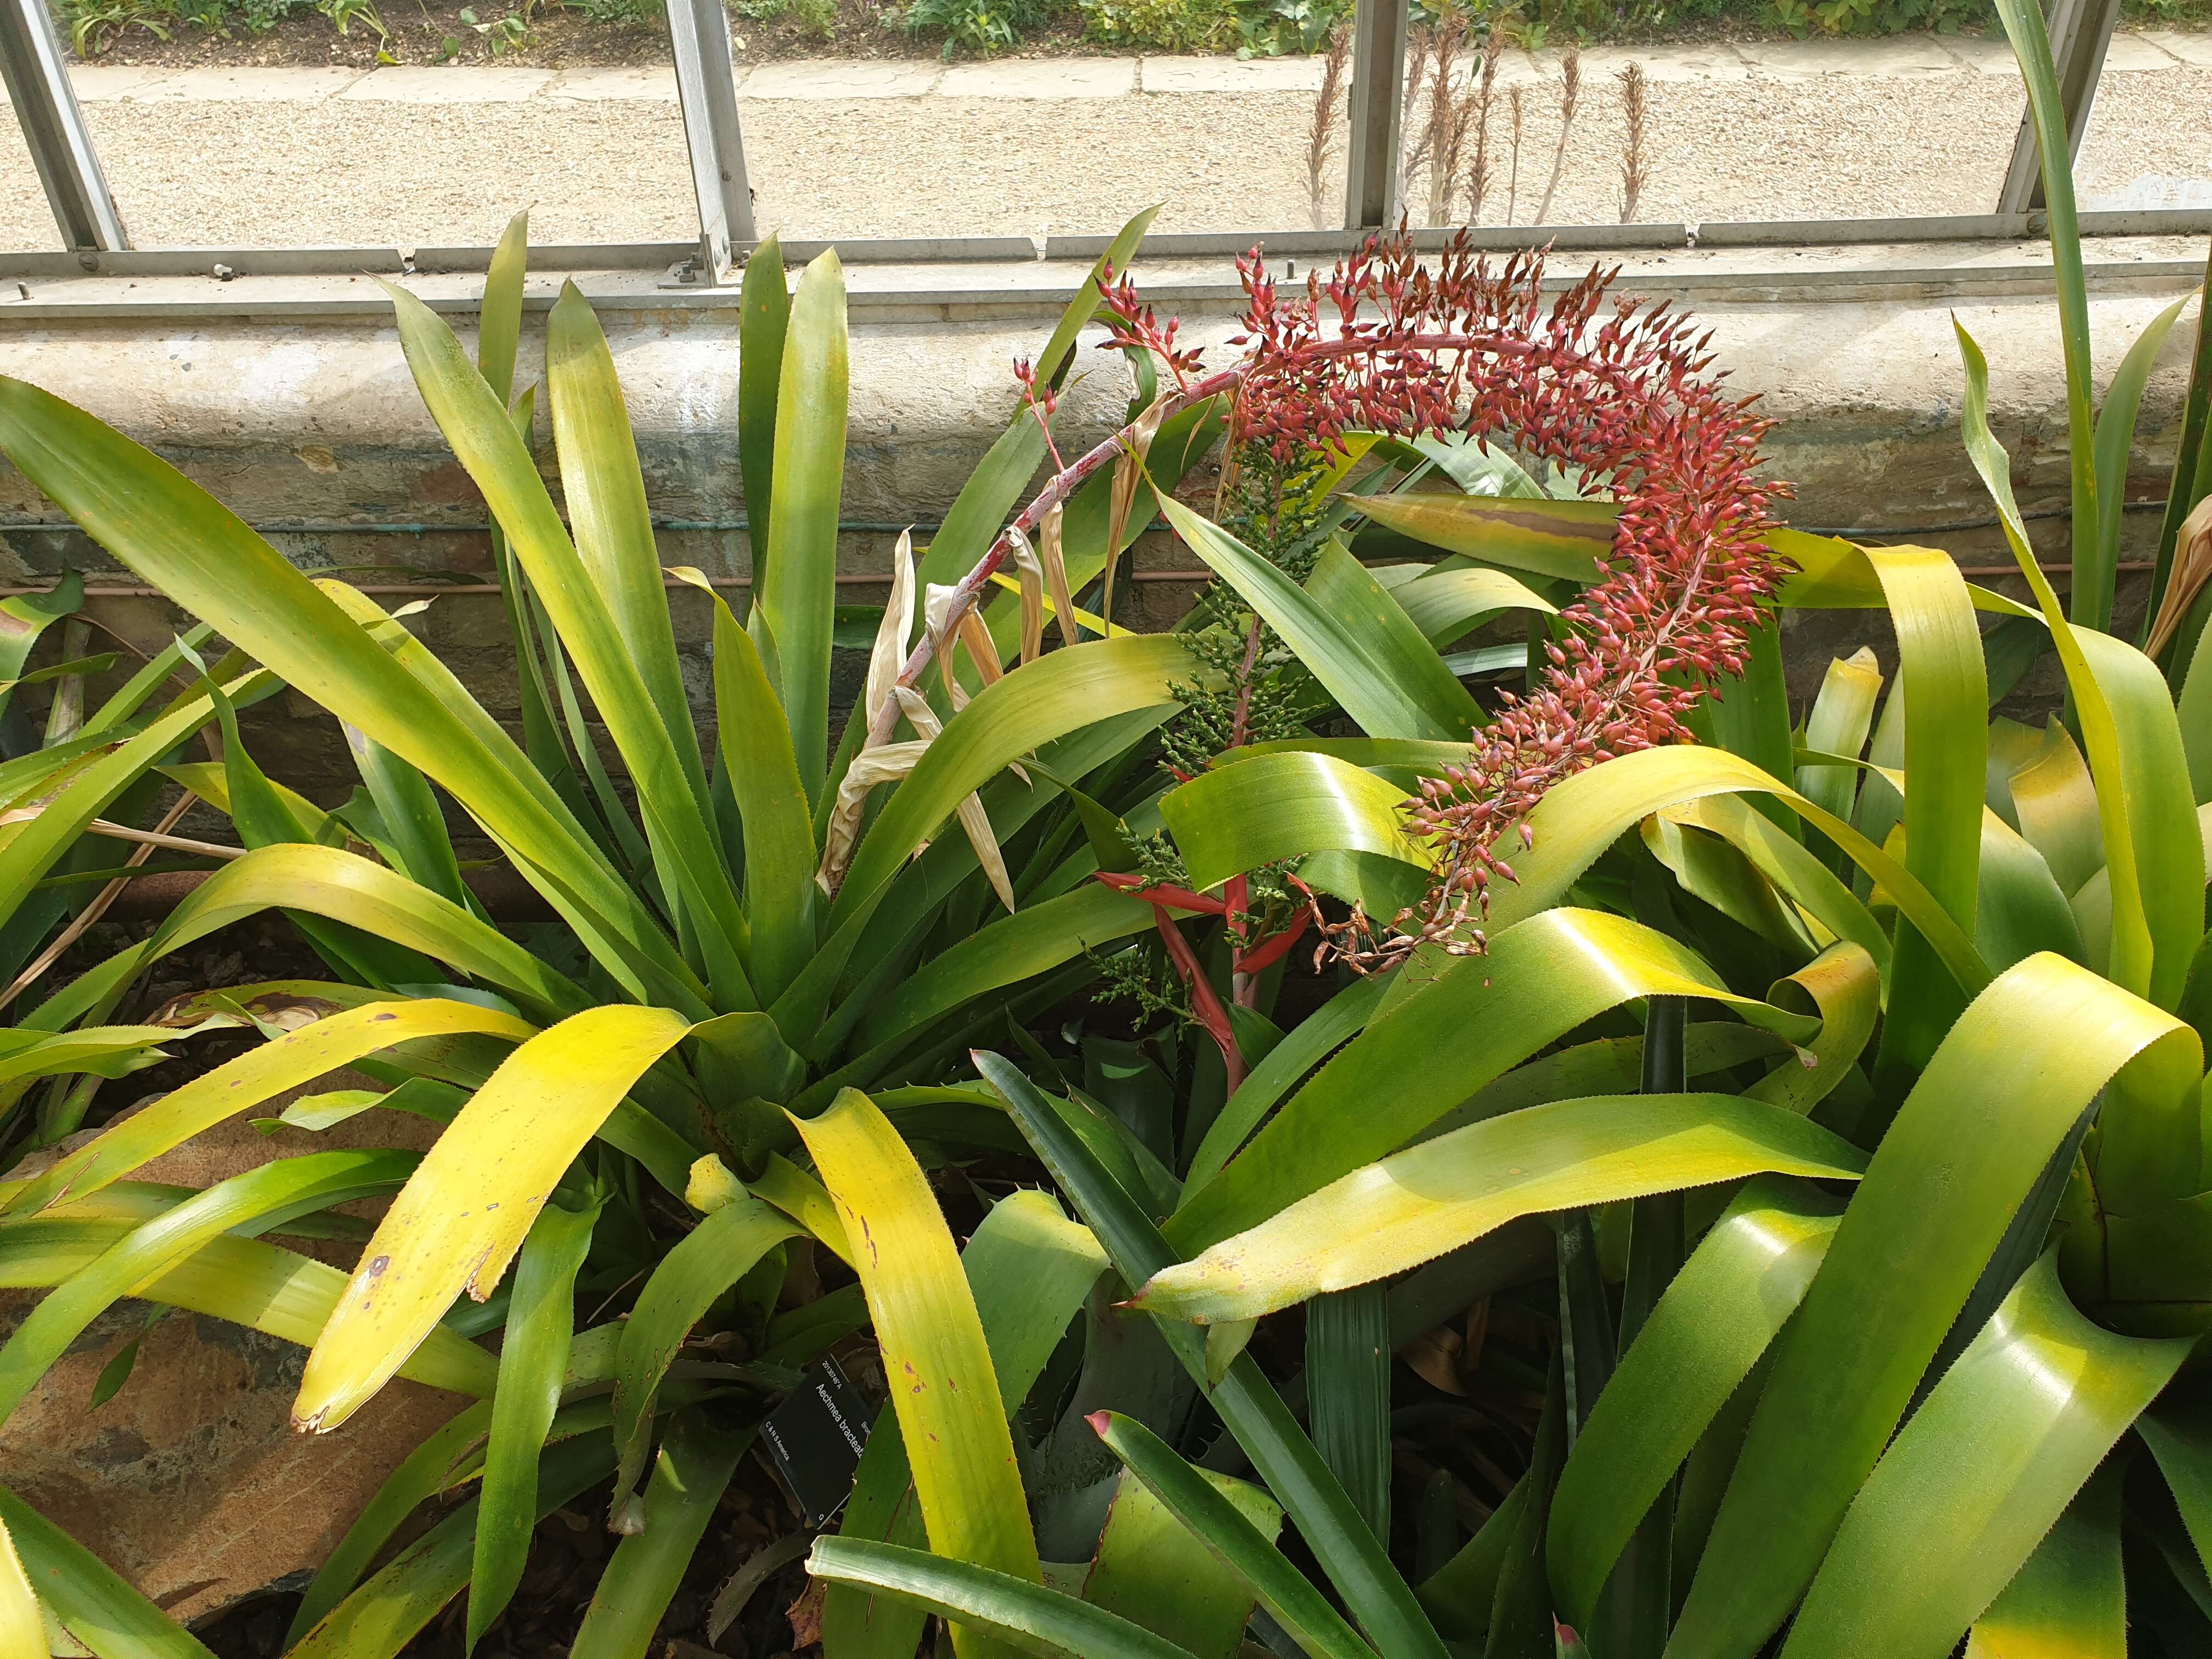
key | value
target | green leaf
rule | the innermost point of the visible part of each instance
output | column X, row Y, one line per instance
column 1304, row 1046
column 1359, row 677
column 763, row 774
column 796, row 597
column 1147, row 1571
column 241, row 1280
column 642, row 1577
column 1006, row 951
column 2192, row 479
column 951, row 1417
column 498, row 320
column 1750, row 715
column 378, row 1619
column 1446, row 1036
column 174, row 535
column 1415, row 1204
column 1969, row 1142
column 1059, row 693
column 2179, row 1436
column 22, row 1625
column 264, row 1196
column 1230, row 1532
column 709, row 1259
column 1280, row 807
column 1371, row 615
column 2130, row 732
column 290, row 1060
column 412, row 818
column 1943, row 676
column 1701, row 1341
column 422, row 1476
column 1461, row 1593
column 2046, row 115
column 1348, row 1352
column 2112, row 451
column 763, row 321
column 96, row 1604
column 1014, row 1612
column 1253, row 1412
column 1445, row 604
column 34, row 845
column 1568, row 539
column 540, row 1323
column 1983, row 1469
column 604, row 491
column 2068, row 1600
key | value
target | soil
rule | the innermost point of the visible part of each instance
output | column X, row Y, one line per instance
column 567, row 1556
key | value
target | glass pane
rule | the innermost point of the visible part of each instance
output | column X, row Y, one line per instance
column 426, row 156
column 2149, row 142
column 1034, row 146
column 27, row 223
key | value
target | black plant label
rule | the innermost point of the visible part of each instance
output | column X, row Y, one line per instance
column 816, row 1438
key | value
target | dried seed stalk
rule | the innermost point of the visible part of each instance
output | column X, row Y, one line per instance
column 1328, row 108
column 1514, row 114
column 1635, row 165
column 1570, row 90
column 1478, row 174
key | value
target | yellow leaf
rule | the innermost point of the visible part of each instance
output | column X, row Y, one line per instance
column 458, row 1222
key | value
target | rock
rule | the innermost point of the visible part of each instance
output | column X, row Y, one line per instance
column 191, row 1481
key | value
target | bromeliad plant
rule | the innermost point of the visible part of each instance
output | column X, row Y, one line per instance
column 753, row 925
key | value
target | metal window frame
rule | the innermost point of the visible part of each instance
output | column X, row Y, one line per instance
column 53, row 127
column 707, row 92
column 1375, row 114
column 2081, row 33
column 68, row 168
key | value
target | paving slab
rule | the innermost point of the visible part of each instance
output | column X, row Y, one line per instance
column 652, row 83
column 2194, row 50
column 2134, row 54
column 1807, row 60
column 1172, row 74
column 1042, row 77
column 246, row 86
column 1979, row 55
column 103, row 83
column 1715, row 62
column 457, row 85
column 835, row 77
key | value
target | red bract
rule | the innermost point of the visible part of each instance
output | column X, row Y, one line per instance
column 1385, row 344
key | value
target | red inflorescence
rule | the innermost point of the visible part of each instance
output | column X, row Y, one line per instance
column 1384, row 344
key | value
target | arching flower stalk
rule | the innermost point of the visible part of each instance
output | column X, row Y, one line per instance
column 1622, row 393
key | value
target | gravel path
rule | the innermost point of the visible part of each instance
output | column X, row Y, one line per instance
column 274, row 172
